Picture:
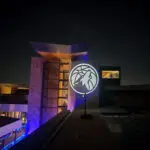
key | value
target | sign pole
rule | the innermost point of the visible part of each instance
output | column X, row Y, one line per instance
column 85, row 104
column 84, row 79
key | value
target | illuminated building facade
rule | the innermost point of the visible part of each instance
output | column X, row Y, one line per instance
column 9, row 88
column 49, row 90
column 13, row 111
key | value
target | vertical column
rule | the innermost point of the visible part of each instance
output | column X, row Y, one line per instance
column 71, row 93
column 63, row 83
column 35, row 91
column 50, row 91
column 71, row 99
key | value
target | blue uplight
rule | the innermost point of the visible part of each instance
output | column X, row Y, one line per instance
column 20, row 138
column 13, row 142
column 17, row 139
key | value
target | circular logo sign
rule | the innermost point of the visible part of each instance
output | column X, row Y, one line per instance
column 83, row 78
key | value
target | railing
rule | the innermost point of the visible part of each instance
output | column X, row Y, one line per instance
column 37, row 139
column 11, row 134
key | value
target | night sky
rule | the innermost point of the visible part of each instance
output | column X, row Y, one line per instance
column 117, row 33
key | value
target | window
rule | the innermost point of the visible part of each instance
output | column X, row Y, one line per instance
column 110, row 74
column 63, row 93
column 64, row 67
column 65, row 60
column 62, row 102
column 63, row 84
column 64, row 76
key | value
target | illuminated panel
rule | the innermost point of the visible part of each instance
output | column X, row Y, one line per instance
column 110, row 74
column 65, row 60
column 64, row 76
column 61, row 76
column 54, row 56
column 65, row 67
column 60, row 110
column 62, row 102
column 63, row 93
column 6, row 89
column 22, row 88
column 63, row 84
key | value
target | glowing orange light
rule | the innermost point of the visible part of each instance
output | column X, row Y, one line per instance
column 110, row 74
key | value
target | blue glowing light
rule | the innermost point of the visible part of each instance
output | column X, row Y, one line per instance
column 13, row 142
column 17, row 139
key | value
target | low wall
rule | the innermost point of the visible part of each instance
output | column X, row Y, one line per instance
column 10, row 127
column 134, row 98
column 35, row 140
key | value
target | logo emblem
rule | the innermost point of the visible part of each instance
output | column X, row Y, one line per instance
column 83, row 78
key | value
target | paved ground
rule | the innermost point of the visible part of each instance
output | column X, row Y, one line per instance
column 105, row 132
column 112, row 110
column 85, row 134
column 133, row 131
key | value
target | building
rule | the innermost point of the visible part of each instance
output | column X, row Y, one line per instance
column 48, row 94
column 110, row 76
column 13, row 111
column 13, row 100
column 49, row 90
column 112, row 93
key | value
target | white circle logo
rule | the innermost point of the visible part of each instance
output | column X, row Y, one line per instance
column 83, row 78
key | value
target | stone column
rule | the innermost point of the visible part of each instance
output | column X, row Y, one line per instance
column 35, row 93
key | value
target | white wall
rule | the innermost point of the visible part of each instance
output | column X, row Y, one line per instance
column 13, row 108
column 10, row 127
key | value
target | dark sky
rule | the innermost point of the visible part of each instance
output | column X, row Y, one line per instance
column 117, row 33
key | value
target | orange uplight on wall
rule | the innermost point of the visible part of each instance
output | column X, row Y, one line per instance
column 110, row 74
column 63, row 93
column 65, row 60
column 22, row 88
column 54, row 56
column 59, row 110
column 64, row 67
column 62, row 102
column 61, row 76
column 63, row 84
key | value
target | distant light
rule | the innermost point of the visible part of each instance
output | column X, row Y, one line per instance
column 83, row 78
